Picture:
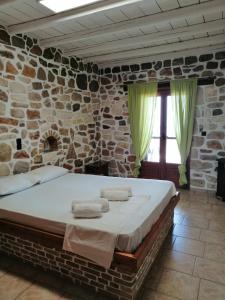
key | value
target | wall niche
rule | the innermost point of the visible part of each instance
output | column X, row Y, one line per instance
column 50, row 144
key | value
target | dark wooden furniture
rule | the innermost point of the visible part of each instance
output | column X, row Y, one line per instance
column 221, row 179
column 97, row 168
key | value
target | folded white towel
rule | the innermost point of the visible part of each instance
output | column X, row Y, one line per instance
column 115, row 195
column 105, row 204
column 103, row 201
column 118, row 188
column 87, row 210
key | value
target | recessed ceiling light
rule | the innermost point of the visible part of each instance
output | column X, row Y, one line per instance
column 58, row 6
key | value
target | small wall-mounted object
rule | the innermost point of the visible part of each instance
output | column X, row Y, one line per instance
column 203, row 133
column 18, row 144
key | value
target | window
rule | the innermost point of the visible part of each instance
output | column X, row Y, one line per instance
column 163, row 147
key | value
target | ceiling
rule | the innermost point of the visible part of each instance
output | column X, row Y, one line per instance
column 148, row 28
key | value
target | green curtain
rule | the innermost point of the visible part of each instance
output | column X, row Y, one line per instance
column 183, row 94
column 141, row 107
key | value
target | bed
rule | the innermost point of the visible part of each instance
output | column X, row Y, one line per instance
column 33, row 224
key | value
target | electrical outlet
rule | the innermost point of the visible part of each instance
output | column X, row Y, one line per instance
column 203, row 133
column 18, row 144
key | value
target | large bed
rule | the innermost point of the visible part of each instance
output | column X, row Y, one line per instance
column 33, row 224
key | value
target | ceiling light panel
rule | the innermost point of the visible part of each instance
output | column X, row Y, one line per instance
column 58, row 6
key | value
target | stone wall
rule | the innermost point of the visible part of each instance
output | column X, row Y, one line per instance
column 43, row 93
column 209, row 117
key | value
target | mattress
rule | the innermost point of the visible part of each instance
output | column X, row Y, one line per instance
column 48, row 206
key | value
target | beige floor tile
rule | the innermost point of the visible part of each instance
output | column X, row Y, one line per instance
column 178, row 219
column 36, row 292
column 211, row 291
column 196, row 213
column 210, row 270
column 196, row 222
column 217, row 201
column 219, row 208
column 11, row 286
column 186, row 231
column 178, row 261
column 215, row 252
column 217, row 224
column 189, row 246
column 197, row 199
column 201, row 206
column 179, row 285
column 152, row 295
column 215, row 214
column 212, row 237
column 169, row 241
column 153, row 277
column 198, row 196
column 182, row 208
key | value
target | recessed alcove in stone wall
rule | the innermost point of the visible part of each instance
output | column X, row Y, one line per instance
column 50, row 142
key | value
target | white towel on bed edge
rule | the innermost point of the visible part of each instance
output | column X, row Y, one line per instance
column 103, row 201
column 96, row 245
column 115, row 195
column 118, row 188
column 87, row 210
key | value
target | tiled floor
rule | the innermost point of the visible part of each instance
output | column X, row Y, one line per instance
column 191, row 265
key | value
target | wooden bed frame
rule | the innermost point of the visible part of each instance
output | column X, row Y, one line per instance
column 127, row 263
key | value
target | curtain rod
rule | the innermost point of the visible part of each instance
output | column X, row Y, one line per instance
column 166, row 83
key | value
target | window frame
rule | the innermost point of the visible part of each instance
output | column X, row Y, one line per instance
column 163, row 93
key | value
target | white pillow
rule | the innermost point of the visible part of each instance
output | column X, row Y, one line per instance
column 14, row 183
column 46, row 173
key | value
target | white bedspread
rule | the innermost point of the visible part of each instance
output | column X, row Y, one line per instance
column 99, row 244
column 48, row 206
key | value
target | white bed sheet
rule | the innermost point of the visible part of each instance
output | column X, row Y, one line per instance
column 47, row 206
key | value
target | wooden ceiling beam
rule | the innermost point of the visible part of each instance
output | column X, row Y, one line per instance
column 149, row 39
column 141, row 22
column 172, row 47
column 41, row 23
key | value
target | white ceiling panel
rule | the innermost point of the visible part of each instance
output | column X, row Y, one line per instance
column 163, row 27
column 145, row 24
column 132, row 12
column 167, row 5
column 213, row 16
column 149, row 7
column 194, row 20
column 149, row 29
column 116, row 15
column 178, row 23
column 187, row 2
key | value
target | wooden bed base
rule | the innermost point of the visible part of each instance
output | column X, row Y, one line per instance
column 124, row 264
